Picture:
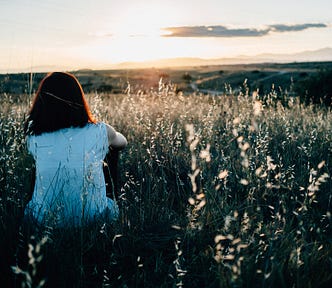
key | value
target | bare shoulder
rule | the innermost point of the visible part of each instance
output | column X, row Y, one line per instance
column 110, row 130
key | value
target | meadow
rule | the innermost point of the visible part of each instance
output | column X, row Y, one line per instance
column 232, row 190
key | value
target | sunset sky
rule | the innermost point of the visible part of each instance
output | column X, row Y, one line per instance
column 75, row 34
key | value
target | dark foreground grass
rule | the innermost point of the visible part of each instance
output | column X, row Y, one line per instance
column 222, row 191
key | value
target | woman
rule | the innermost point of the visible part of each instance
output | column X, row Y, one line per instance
column 68, row 146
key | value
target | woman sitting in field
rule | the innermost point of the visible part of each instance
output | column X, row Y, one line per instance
column 68, row 146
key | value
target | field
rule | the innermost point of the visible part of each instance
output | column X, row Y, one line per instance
column 227, row 190
column 212, row 79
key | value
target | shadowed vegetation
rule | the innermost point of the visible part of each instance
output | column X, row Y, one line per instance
column 216, row 191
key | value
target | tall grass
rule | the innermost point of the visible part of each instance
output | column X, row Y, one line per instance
column 216, row 191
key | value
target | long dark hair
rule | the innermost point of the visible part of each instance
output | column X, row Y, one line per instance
column 59, row 103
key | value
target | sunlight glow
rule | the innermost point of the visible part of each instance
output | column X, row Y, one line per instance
column 55, row 33
column 142, row 22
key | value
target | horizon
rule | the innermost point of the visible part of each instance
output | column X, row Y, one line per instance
column 189, row 62
column 103, row 34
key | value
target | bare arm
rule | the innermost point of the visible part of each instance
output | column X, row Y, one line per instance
column 115, row 139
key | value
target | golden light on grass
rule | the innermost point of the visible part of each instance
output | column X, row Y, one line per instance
column 223, row 174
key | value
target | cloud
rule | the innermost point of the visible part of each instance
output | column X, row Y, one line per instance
column 298, row 27
column 223, row 31
column 212, row 31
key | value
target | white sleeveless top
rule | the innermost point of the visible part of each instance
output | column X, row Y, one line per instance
column 70, row 185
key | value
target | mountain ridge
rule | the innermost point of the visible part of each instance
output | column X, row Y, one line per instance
column 324, row 54
column 320, row 55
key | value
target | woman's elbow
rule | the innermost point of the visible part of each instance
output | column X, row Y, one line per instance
column 119, row 142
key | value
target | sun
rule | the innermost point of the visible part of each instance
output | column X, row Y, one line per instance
column 141, row 20
column 137, row 35
column 139, row 39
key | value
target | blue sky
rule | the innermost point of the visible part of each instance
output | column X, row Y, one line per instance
column 99, row 33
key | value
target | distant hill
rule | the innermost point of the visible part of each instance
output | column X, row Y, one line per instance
column 201, row 78
column 320, row 55
column 324, row 54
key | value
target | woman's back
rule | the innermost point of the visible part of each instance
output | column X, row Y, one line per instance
column 70, row 185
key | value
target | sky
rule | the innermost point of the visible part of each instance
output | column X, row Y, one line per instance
column 73, row 34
